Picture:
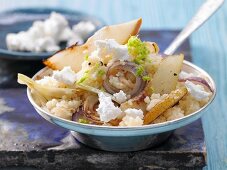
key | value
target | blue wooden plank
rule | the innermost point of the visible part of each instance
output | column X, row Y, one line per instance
column 208, row 48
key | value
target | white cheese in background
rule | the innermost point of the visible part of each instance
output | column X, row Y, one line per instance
column 54, row 25
column 66, row 34
column 46, row 35
column 196, row 90
column 83, row 28
column 41, row 36
column 36, row 30
column 46, row 44
column 66, row 76
column 106, row 110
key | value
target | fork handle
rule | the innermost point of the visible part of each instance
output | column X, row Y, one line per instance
column 205, row 11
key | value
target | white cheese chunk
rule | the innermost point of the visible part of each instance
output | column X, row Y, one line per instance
column 197, row 91
column 133, row 117
column 111, row 47
column 131, row 121
column 106, row 110
column 134, row 113
column 120, row 97
column 66, row 76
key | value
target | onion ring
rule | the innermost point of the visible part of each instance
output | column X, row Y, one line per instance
column 198, row 80
column 126, row 66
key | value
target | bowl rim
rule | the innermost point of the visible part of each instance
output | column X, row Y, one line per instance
column 143, row 127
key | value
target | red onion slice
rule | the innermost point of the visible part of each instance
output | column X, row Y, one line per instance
column 198, row 80
column 78, row 115
column 126, row 66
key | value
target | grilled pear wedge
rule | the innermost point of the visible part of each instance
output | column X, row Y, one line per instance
column 169, row 101
column 166, row 77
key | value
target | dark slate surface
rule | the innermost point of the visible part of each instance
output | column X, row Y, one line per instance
column 27, row 140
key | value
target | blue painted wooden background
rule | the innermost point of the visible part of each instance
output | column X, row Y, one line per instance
column 209, row 48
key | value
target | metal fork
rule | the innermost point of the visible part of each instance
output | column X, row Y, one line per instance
column 204, row 13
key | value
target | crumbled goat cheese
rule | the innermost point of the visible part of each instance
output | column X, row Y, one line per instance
column 46, row 35
column 134, row 113
column 106, row 110
column 49, row 81
column 131, row 121
column 185, row 75
column 120, row 96
column 66, row 76
column 196, row 90
column 147, row 100
column 133, row 117
column 153, row 100
column 62, row 108
column 83, row 28
column 111, row 47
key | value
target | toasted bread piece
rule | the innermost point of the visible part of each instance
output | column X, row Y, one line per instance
column 74, row 55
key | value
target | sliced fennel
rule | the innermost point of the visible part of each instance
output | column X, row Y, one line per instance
column 46, row 91
column 38, row 98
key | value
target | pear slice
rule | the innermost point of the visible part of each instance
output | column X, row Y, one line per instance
column 74, row 55
column 166, row 77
